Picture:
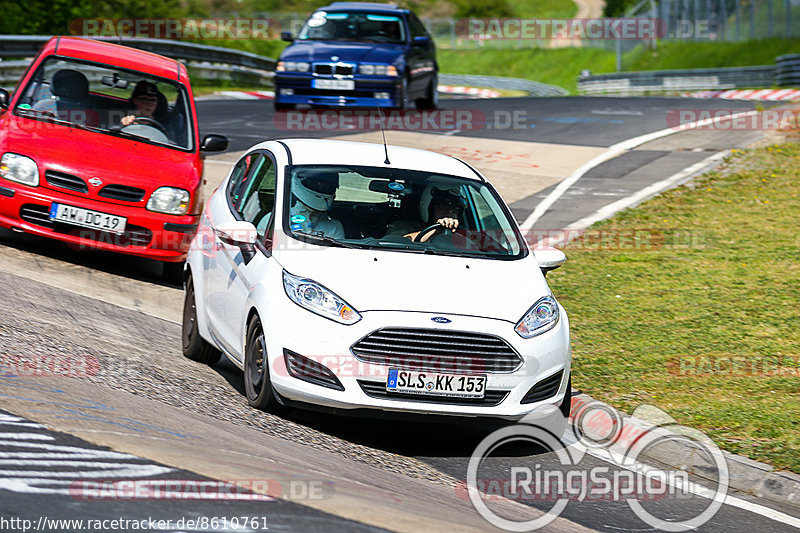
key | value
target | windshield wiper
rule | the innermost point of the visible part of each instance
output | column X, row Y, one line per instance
column 120, row 133
column 325, row 238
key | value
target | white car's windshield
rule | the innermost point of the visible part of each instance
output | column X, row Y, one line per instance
column 353, row 26
column 402, row 210
column 108, row 100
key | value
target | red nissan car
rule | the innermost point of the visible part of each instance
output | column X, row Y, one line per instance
column 99, row 147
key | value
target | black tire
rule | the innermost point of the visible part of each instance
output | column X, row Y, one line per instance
column 195, row 347
column 403, row 101
column 283, row 107
column 566, row 405
column 431, row 100
column 172, row 273
column 257, row 384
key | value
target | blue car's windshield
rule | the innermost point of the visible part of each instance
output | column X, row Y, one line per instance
column 353, row 26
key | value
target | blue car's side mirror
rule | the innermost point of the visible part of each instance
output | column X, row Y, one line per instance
column 421, row 41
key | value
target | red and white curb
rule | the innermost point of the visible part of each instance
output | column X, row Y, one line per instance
column 239, row 95
column 468, row 91
column 772, row 95
column 269, row 95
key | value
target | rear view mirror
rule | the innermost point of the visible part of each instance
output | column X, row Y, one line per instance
column 287, row 36
column 114, row 82
column 421, row 40
column 549, row 258
column 4, row 99
column 388, row 187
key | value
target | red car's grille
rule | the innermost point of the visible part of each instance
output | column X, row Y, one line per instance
column 65, row 181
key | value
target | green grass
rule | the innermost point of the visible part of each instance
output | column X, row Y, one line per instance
column 543, row 9
column 719, row 279
column 700, row 55
column 561, row 67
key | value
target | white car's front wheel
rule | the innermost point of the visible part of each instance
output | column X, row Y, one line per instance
column 257, row 384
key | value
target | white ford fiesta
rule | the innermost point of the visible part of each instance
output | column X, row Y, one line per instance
column 357, row 276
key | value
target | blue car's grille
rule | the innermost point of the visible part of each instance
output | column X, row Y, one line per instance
column 339, row 69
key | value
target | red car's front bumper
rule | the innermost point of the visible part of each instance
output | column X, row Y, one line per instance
column 147, row 234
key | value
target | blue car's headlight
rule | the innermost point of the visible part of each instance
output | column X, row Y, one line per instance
column 317, row 299
column 543, row 316
column 293, row 66
column 377, row 70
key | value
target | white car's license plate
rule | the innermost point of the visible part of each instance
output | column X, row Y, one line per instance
column 78, row 216
column 340, row 85
column 456, row 386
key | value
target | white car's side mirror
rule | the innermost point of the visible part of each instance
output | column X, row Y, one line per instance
column 237, row 233
column 549, row 258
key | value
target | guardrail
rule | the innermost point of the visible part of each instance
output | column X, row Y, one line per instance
column 19, row 46
column 682, row 80
column 788, row 70
column 497, row 82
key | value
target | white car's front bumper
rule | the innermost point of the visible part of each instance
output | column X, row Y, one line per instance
column 287, row 326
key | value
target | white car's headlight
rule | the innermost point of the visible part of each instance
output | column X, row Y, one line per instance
column 539, row 318
column 169, row 200
column 15, row 167
column 317, row 299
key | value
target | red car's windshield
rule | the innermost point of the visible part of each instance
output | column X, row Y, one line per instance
column 109, row 100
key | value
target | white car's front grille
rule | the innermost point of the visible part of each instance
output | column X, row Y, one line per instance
column 437, row 350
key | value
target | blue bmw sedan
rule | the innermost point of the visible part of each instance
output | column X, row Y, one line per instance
column 358, row 55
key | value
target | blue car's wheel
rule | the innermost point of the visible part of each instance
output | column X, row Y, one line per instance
column 431, row 100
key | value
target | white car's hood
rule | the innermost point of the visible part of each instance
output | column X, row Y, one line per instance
column 371, row 280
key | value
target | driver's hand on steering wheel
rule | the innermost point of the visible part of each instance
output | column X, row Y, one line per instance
column 449, row 223
column 128, row 120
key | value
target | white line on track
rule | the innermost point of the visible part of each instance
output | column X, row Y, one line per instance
column 617, row 459
column 612, row 152
column 641, row 195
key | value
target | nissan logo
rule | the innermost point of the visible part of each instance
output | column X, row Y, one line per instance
column 441, row 320
column 96, row 182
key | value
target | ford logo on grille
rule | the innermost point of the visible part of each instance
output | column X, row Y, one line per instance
column 96, row 182
column 441, row 320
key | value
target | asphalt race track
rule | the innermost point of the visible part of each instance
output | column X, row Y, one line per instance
column 191, row 422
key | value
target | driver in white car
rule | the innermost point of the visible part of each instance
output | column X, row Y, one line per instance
column 436, row 206
column 313, row 193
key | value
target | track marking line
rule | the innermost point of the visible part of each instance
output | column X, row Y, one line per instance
column 643, row 194
column 616, row 459
column 612, row 152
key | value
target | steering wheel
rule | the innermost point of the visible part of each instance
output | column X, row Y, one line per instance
column 460, row 239
column 427, row 230
column 147, row 121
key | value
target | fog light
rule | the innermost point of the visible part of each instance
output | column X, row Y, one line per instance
column 307, row 369
column 287, row 92
column 382, row 96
